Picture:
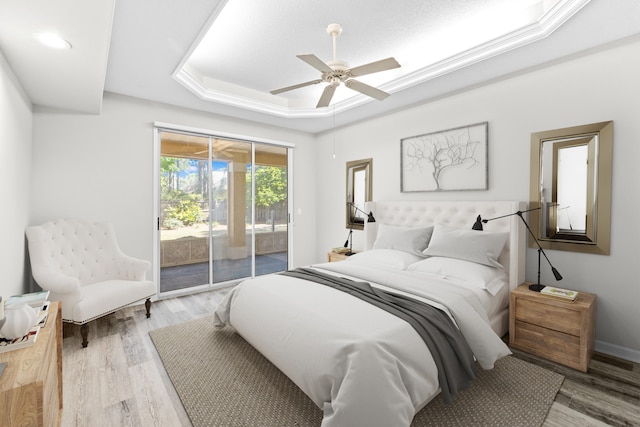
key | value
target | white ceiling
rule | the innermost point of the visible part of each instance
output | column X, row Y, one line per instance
column 225, row 56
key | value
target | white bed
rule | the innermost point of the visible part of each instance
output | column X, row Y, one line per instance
column 361, row 365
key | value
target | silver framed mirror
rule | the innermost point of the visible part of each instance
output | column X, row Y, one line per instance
column 359, row 191
column 571, row 188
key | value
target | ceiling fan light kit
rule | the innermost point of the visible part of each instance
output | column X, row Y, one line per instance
column 335, row 72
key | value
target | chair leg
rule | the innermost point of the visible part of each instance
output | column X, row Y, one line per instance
column 147, row 305
column 84, row 331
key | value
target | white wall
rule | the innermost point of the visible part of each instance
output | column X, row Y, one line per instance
column 15, row 151
column 101, row 167
column 597, row 87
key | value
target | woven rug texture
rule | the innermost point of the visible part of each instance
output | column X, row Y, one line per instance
column 223, row 381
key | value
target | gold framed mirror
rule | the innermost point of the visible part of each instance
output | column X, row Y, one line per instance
column 571, row 188
column 359, row 191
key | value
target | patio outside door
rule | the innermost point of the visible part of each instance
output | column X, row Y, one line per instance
column 223, row 211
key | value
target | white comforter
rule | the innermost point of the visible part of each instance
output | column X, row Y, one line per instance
column 361, row 365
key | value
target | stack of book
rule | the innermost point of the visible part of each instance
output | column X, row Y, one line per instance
column 559, row 293
column 39, row 301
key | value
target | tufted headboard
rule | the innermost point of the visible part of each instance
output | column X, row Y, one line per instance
column 460, row 215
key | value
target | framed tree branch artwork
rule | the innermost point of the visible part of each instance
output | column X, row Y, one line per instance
column 448, row 160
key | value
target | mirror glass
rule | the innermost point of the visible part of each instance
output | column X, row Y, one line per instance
column 359, row 191
column 571, row 188
column 567, row 191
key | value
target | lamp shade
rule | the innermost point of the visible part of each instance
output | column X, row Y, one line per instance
column 478, row 224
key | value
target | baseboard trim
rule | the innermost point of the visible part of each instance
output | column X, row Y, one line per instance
column 618, row 351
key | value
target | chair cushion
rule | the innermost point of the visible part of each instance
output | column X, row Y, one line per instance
column 101, row 298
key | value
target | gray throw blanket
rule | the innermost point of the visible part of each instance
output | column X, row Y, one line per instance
column 451, row 352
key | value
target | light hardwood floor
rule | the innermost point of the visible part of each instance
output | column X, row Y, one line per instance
column 119, row 380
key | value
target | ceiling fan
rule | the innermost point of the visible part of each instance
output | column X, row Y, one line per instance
column 336, row 72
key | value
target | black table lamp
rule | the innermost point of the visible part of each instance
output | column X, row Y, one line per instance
column 349, row 241
column 534, row 287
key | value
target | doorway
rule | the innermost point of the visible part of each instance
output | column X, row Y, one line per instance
column 223, row 210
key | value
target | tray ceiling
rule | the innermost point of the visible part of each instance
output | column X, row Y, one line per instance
column 225, row 56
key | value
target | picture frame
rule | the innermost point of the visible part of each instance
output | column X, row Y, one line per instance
column 448, row 160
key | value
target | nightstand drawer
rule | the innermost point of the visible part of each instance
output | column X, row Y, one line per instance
column 547, row 343
column 548, row 316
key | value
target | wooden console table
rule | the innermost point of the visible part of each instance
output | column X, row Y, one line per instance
column 31, row 384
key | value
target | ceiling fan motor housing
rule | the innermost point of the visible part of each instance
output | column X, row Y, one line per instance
column 340, row 72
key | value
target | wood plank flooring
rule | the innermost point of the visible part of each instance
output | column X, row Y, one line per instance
column 119, row 380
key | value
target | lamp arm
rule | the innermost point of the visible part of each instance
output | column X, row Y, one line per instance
column 519, row 213
column 346, row 242
column 370, row 217
column 511, row 214
column 349, row 242
column 537, row 287
column 353, row 205
column 555, row 272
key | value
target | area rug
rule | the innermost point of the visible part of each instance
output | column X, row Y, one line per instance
column 224, row 381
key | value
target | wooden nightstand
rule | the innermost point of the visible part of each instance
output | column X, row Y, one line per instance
column 559, row 330
column 334, row 256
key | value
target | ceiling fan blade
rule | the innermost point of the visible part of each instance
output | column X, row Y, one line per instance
column 315, row 62
column 374, row 67
column 327, row 94
column 288, row 88
column 366, row 89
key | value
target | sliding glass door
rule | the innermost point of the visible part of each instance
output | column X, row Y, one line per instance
column 223, row 210
column 184, row 206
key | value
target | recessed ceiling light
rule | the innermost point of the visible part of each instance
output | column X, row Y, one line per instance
column 52, row 40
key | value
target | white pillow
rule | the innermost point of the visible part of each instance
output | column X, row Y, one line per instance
column 490, row 278
column 408, row 239
column 470, row 245
column 385, row 257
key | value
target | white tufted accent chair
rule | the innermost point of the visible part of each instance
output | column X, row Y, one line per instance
column 82, row 266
